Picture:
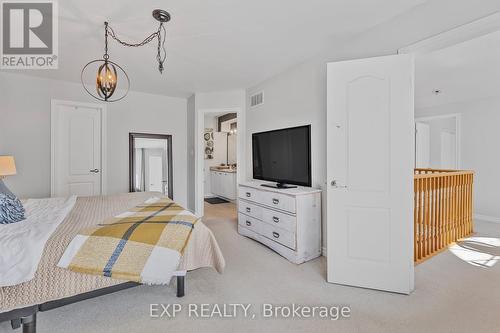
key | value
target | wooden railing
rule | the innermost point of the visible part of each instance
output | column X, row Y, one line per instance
column 443, row 209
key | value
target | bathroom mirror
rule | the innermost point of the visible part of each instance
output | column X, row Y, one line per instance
column 150, row 163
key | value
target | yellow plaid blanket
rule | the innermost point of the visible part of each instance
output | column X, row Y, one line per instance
column 144, row 244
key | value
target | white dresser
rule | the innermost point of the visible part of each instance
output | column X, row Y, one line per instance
column 286, row 220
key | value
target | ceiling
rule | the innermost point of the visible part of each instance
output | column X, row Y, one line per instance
column 211, row 45
column 463, row 72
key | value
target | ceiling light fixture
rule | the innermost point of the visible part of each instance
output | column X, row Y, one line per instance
column 109, row 74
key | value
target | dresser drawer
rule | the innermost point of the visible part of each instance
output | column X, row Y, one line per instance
column 248, row 193
column 279, row 201
column 279, row 235
column 250, row 223
column 250, row 209
column 280, row 220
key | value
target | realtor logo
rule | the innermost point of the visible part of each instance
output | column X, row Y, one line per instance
column 29, row 35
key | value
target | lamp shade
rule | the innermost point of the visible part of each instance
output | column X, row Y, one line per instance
column 7, row 166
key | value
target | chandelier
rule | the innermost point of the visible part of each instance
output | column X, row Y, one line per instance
column 111, row 78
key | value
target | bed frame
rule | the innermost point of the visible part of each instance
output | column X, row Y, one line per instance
column 26, row 317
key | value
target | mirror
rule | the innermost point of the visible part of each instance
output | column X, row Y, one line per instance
column 150, row 163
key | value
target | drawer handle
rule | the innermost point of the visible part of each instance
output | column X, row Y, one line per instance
column 276, row 235
column 249, row 223
column 276, row 201
column 248, row 194
column 248, row 209
column 276, row 219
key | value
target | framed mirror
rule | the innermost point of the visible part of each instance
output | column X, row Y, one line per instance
column 150, row 163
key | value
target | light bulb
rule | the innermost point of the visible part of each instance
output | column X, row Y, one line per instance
column 106, row 80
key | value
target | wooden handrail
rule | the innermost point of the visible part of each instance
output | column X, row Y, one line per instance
column 442, row 174
column 442, row 209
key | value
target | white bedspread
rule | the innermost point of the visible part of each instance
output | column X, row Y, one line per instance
column 22, row 243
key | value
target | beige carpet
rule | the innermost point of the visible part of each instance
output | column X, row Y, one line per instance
column 451, row 296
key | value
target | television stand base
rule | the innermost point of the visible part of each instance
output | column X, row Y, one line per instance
column 279, row 185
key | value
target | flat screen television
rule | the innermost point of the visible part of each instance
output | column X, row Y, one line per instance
column 283, row 156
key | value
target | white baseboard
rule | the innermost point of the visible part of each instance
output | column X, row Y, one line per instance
column 486, row 218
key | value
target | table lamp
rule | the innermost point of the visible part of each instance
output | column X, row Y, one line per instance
column 7, row 168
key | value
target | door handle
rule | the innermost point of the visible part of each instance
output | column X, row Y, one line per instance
column 335, row 185
column 94, row 170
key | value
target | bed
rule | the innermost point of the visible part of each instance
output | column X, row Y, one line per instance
column 53, row 286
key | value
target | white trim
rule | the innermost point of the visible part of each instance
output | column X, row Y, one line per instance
column 458, row 132
column 471, row 30
column 487, row 218
column 199, row 159
column 104, row 145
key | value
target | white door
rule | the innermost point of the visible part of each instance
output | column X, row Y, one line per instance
column 423, row 145
column 448, row 150
column 154, row 169
column 76, row 149
column 370, row 155
column 155, row 173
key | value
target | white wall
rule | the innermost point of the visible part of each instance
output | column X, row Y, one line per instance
column 480, row 135
column 25, row 131
column 298, row 96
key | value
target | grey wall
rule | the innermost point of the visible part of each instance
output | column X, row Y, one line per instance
column 25, row 131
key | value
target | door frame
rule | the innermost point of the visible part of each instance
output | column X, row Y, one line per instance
column 131, row 157
column 458, row 139
column 199, row 152
column 53, row 138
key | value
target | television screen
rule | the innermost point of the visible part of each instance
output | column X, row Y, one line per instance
column 283, row 156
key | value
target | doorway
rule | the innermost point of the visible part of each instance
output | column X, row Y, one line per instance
column 220, row 163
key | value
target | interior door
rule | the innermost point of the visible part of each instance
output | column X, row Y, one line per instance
column 77, row 150
column 370, row 156
column 154, row 169
column 422, row 145
column 155, row 173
